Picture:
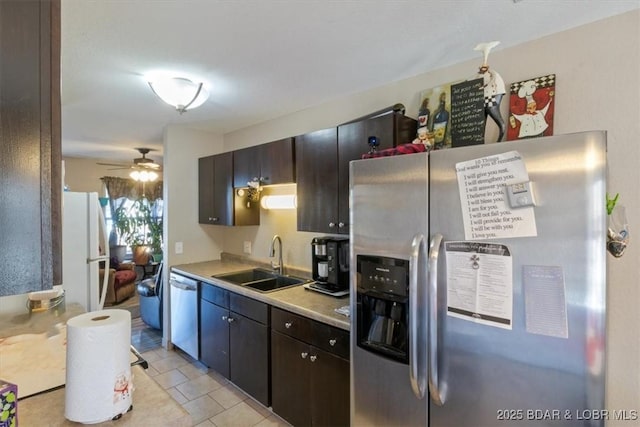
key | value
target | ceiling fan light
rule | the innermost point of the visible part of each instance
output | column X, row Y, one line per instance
column 143, row 176
column 181, row 93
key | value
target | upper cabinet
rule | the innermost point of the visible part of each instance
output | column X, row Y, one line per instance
column 215, row 193
column 30, row 200
column 322, row 167
column 271, row 163
column 217, row 203
column 317, row 181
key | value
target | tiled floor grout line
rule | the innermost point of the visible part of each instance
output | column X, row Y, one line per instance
column 183, row 377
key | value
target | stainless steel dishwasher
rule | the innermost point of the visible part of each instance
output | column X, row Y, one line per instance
column 184, row 314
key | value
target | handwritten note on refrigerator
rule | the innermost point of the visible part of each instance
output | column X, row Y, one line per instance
column 485, row 211
column 480, row 283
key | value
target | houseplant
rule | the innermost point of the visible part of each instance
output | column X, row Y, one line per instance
column 137, row 228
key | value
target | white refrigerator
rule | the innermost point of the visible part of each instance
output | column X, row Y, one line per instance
column 85, row 244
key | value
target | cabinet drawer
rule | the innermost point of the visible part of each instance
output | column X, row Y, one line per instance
column 215, row 295
column 331, row 339
column 291, row 324
column 250, row 308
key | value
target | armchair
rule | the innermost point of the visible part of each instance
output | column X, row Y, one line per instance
column 121, row 283
column 150, row 294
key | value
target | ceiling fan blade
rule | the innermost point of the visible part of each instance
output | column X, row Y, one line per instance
column 112, row 164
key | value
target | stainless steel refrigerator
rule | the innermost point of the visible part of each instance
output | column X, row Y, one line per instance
column 478, row 285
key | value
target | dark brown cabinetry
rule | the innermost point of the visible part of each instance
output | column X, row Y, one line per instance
column 217, row 203
column 353, row 140
column 309, row 370
column 271, row 163
column 322, row 163
column 234, row 339
column 30, row 157
column 317, row 181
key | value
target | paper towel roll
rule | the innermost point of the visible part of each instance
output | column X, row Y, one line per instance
column 99, row 384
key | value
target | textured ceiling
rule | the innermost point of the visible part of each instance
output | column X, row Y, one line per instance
column 262, row 59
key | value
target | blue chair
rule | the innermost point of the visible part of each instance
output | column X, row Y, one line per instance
column 150, row 293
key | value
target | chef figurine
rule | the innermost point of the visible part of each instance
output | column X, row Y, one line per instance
column 423, row 138
column 494, row 88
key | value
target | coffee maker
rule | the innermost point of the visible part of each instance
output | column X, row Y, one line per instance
column 330, row 265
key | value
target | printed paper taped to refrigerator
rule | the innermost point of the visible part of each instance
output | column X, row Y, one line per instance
column 482, row 185
column 480, row 283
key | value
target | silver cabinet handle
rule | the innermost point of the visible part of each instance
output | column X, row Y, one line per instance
column 416, row 368
column 341, row 224
column 332, row 342
column 304, row 355
column 332, row 224
column 225, row 318
column 231, row 319
column 313, row 358
column 288, row 324
column 437, row 393
column 215, row 219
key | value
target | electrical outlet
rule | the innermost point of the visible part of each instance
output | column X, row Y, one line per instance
column 178, row 248
column 247, row 248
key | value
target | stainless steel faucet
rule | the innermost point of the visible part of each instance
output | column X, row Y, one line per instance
column 272, row 252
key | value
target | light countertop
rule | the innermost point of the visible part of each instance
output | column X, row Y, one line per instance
column 151, row 404
column 296, row 299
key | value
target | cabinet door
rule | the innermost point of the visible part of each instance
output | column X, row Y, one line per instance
column 329, row 389
column 277, row 162
column 249, row 362
column 290, row 379
column 246, row 165
column 317, row 181
column 223, row 189
column 214, row 337
column 353, row 142
column 205, row 190
column 30, row 200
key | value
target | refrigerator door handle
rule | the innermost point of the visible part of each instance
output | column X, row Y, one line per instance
column 437, row 395
column 107, row 255
column 416, row 375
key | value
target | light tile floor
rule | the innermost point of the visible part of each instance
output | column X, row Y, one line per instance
column 210, row 399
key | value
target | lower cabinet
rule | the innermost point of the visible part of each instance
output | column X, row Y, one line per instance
column 309, row 371
column 234, row 339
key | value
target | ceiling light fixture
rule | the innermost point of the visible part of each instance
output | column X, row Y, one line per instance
column 143, row 176
column 181, row 93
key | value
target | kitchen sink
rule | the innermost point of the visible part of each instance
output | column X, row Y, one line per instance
column 261, row 280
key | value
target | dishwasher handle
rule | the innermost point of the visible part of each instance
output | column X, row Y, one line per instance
column 186, row 286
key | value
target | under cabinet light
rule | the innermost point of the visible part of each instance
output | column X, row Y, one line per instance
column 288, row 201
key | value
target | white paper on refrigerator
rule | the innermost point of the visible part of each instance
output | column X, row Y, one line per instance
column 480, row 283
column 482, row 186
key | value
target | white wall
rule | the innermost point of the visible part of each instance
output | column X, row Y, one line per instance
column 182, row 148
column 83, row 175
column 598, row 87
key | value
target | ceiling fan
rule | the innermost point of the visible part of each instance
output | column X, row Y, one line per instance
column 139, row 163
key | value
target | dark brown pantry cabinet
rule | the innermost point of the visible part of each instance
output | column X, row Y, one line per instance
column 322, row 167
column 30, row 147
column 271, row 163
column 234, row 339
column 309, row 371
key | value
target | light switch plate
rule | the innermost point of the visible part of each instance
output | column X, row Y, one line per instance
column 178, row 247
column 246, row 248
